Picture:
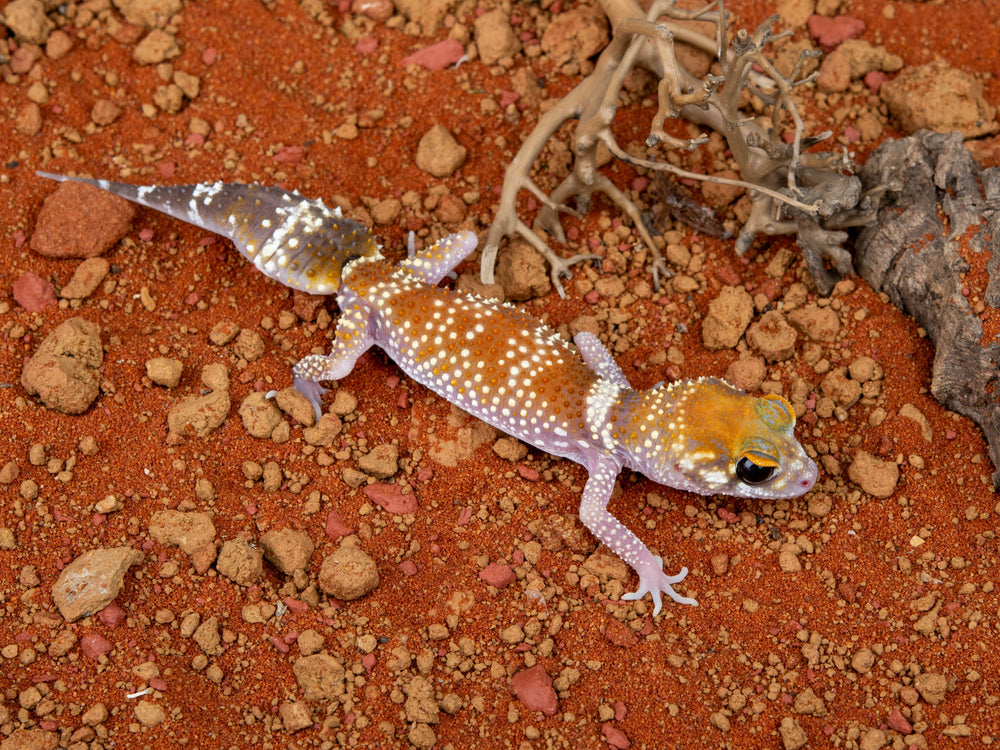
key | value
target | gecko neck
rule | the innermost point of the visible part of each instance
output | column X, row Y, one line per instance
column 644, row 423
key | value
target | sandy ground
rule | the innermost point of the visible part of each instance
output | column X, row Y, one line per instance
column 864, row 615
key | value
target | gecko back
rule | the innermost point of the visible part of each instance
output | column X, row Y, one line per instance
column 298, row 242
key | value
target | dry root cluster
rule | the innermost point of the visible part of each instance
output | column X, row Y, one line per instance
column 812, row 195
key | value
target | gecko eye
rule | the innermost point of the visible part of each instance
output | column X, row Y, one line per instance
column 752, row 473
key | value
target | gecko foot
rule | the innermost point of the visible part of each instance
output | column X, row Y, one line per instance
column 313, row 391
column 655, row 582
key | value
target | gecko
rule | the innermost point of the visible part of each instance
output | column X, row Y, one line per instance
column 501, row 365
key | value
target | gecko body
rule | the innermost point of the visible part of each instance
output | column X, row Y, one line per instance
column 513, row 372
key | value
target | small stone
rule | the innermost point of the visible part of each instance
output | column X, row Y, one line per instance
column 63, row 372
column 158, row 46
column 149, row 714
column 29, row 119
column 348, row 574
column 863, row 661
column 932, row 687
column 380, row 462
column 260, row 415
column 438, row 153
column 27, row 20
column 495, row 39
column 295, row 405
column 240, row 562
column 720, row 564
column 874, row 739
column 295, row 716
column 104, row 112
column 320, row 677
column 287, row 549
column 772, row 337
column 207, row 636
column 830, row 31
column 533, row 687
column 187, row 530
column 95, row 645
column 876, row 477
column 511, row 449
column 323, row 432
column 792, row 735
column 729, row 314
column 197, row 416
column 34, row 293
column 92, row 581
column 164, row 371
column 820, row 324
column 497, row 575
column 80, row 221
column 85, row 279
column 940, row 98
column 521, row 271
column 96, row 714
column 808, row 703
column 574, row 35
column 898, row 722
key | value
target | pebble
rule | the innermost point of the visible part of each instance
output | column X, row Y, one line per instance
column 92, row 581
column 380, row 462
column 164, row 371
column 932, row 687
column 187, row 530
column 348, row 574
column 438, row 153
column 80, row 221
column 575, row 35
column 158, row 46
column 533, row 687
column 521, row 272
column 63, row 372
column 829, row 31
column 287, row 549
column 495, row 39
column 199, row 415
column 437, row 56
column 240, row 562
column 295, row 716
column 320, row 677
column 390, row 498
column 260, row 415
column 497, row 575
column 85, row 279
column 940, row 98
column 729, row 314
column 33, row 293
column 149, row 714
column 95, row 645
column 772, row 337
column 27, row 20
column 876, row 477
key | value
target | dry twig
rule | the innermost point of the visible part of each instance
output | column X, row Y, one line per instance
column 813, row 195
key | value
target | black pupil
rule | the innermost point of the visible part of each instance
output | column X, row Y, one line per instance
column 752, row 473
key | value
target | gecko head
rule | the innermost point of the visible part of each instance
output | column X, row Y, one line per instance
column 710, row 438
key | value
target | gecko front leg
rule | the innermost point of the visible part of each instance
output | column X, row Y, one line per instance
column 596, row 517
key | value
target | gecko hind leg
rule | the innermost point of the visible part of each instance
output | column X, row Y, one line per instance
column 352, row 339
